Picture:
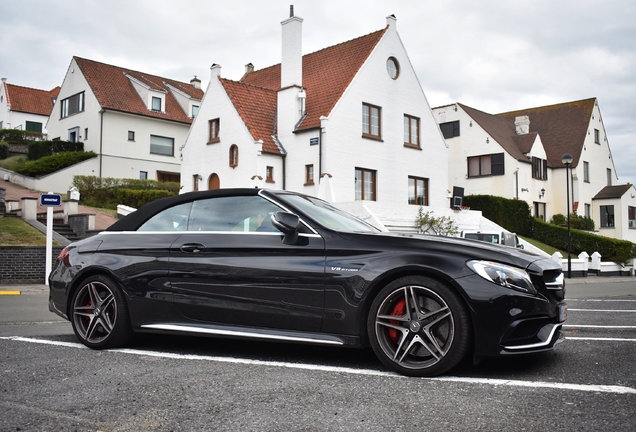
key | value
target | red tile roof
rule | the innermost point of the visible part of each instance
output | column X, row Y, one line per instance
column 257, row 108
column 114, row 90
column 326, row 75
column 562, row 127
column 30, row 100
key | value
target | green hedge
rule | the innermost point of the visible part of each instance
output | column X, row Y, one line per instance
column 110, row 192
column 51, row 164
column 40, row 149
column 17, row 136
column 619, row 251
column 513, row 215
column 577, row 222
column 4, row 149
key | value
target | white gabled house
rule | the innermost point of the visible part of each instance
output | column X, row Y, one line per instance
column 518, row 155
column 25, row 108
column 134, row 121
column 349, row 123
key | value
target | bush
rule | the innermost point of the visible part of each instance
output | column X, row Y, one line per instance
column 426, row 223
column 4, row 149
column 577, row 222
column 40, row 149
column 17, row 136
column 513, row 215
column 110, row 192
column 619, row 251
column 51, row 164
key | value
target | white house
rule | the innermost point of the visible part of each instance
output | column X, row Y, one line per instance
column 518, row 155
column 134, row 121
column 25, row 108
column 349, row 123
column 616, row 210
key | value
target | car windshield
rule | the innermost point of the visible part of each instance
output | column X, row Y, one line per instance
column 327, row 215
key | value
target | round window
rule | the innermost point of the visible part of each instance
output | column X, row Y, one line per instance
column 393, row 67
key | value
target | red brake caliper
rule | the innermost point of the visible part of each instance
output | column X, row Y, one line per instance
column 398, row 309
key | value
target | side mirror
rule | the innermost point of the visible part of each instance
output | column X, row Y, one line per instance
column 287, row 223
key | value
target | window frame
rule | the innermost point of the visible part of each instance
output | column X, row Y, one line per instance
column 214, row 128
column 450, row 129
column 597, row 136
column 360, row 192
column 408, row 119
column 269, row 174
column 494, row 165
column 131, row 135
column 65, row 105
column 234, row 156
column 539, row 168
column 155, row 144
column 631, row 217
column 309, row 175
column 415, row 194
column 370, row 125
column 154, row 99
column 607, row 216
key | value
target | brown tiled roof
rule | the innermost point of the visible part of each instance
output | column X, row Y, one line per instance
column 257, row 108
column 326, row 75
column 114, row 91
column 562, row 127
column 30, row 100
column 609, row 192
column 502, row 131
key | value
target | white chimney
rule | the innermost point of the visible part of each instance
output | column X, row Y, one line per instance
column 249, row 68
column 196, row 82
column 522, row 125
column 292, row 55
column 215, row 70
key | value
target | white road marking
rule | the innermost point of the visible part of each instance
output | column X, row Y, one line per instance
column 601, row 300
column 598, row 326
column 600, row 339
column 601, row 310
column 337, row 369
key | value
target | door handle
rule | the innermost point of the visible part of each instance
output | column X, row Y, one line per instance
column 192, row 247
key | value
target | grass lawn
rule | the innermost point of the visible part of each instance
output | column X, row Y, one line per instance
column 544, row 247
column 16, row 232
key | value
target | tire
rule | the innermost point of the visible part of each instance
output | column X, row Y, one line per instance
column 418, row 326
column 99, row 314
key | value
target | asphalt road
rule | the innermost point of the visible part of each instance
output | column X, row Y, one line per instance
column 50, row 382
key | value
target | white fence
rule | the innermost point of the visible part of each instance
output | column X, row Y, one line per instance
column 581, row 266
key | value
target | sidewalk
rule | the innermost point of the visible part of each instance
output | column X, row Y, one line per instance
column 16, row 192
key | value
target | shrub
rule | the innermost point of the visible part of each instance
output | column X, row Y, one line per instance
column 51, row 164
column 4, row 149
column 17, row 136
column 577, row 222
column 110, row 192
column 428, row 224
column 40, row 149
column 513, row 215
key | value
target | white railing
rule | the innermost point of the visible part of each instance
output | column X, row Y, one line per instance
column 582, row 265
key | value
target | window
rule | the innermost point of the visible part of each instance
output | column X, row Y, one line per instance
column 161, row 145
column 365, row 185
column 486, row 165
column 195, row 182
column 393, row 67
column 539, row 210
column 72, row 105
column 131, row 135
column 588, row 210
column 33, row 126
column 631, row 216
column 156, row 103
column 411, row 131
column 73, row 134
column 214, row 131
column 607, row 216
column 597, row 136
column 586, row 172
column 609, row 177
column 195, row 110
column 143, row 175
column 269, row 174
column 418, row 191
column 233, row 156
column 450, row 129
column 371, row 121
column 309, row 175
column 85, row 134
column 164, row 176
column 539, row 168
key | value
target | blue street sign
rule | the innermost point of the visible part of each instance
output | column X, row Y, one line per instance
column 51, row 200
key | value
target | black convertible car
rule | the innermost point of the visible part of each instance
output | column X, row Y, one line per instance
column 275, row 265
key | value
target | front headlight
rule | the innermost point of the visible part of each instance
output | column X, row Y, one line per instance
column 504, row 275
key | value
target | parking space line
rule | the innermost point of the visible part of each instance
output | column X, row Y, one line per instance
column 597, row 326
column 601, row 310
column 7, row 292
column 599, row 339
column 338, row 369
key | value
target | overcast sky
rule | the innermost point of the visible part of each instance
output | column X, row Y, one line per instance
column 492, row 55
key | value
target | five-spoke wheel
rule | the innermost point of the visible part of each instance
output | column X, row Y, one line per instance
column 418, row 326
column 99, row 314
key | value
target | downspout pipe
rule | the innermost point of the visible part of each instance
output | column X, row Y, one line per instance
column 101, row 143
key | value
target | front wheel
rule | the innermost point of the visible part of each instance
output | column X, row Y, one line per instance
column 99, row 314
column 418, row 326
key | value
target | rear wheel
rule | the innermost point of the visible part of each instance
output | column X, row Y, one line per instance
column 418, row 326
column 99, row 314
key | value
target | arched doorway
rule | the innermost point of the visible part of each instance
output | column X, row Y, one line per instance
column 214, row 182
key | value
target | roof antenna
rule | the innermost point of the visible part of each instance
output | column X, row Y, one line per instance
column 291, row 11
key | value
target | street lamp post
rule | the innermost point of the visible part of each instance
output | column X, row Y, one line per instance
column 567, row 159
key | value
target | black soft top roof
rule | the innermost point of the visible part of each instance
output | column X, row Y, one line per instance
column 137, row 218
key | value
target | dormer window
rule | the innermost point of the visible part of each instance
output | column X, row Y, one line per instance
column 156, row 104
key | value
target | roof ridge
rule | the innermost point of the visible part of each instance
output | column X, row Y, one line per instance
column 561, row 104
column 248, row 85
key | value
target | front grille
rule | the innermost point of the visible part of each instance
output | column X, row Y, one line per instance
column 524, row 332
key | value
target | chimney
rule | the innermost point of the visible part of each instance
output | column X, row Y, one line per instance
column 249, row 68
column 196, row 82
column 522, row 125
column 215, row 70
column 292, row 55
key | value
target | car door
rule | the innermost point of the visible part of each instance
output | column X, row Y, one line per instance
column 231, row 267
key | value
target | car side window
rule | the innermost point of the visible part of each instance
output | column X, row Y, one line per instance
column 171, row 219
column 240, row 214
